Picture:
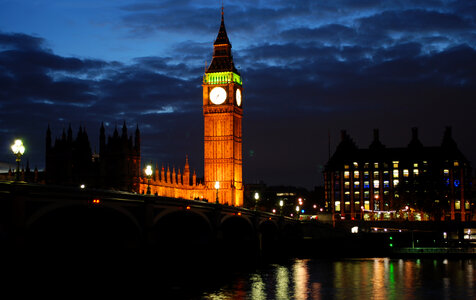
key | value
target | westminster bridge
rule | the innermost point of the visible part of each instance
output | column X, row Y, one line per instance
column 45, row 217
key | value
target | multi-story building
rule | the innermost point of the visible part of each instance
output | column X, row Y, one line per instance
column 414, row 182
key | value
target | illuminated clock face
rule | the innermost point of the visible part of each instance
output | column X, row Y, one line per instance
column 218, row 95
column 238, row 97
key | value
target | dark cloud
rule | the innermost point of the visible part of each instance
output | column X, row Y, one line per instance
column 309, row 69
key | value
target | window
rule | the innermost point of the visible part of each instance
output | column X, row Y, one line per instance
column 415, row 165
column 376, row 165
column 347, row 206
column 395, row 182
column 337, row 205
column 376, row 184
column 356, row 184
column 346, row 167
column 346, row 174
column 386, row 184
column 347, row 185
column 395, row 164
column 376, row 173
column 356, row 174
column 395, row 173
column 446, row 172
column 367, row 205
column 366, row 165
column 416, row 172
column 366, row 194
column 457, row 204
column 366, row 184
column 456, row 164
column 356, row 195
column 356, row 164
column 405, row 173
column 366, row 175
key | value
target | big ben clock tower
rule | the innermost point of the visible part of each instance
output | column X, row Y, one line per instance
column 223, row 112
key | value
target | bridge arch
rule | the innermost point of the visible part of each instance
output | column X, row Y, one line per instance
column 79, row 226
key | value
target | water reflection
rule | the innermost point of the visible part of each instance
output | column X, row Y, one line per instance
column 378, row 278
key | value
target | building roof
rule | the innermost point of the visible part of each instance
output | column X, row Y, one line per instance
column 348, row 152
column 222, row 60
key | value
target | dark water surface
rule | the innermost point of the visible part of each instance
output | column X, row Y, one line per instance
column 366, row 278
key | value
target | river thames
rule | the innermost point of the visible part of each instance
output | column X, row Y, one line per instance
column 366, row 278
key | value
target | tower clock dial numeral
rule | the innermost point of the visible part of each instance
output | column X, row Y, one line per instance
column 218, row 95
column 238, row 97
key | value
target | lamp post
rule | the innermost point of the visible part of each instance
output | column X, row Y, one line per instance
column 18, row 149
column 297, row 211
column 281, row 204
column 256, row 200
column 148, row 173
column 217, row 187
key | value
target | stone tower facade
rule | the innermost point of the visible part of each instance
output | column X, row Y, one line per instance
column 223, row 113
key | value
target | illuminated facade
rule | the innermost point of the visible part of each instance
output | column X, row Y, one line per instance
column 222, row 111
column 413, row 182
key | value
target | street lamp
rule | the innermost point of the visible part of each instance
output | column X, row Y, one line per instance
column 297, row 211
column 148, row 173
column 217, row 186
column 281, row 204
column 18, row 149
column 256, row 202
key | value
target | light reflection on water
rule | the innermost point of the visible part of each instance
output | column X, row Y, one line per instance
column 373, row 278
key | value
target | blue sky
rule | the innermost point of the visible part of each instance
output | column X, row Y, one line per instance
column 309, row 68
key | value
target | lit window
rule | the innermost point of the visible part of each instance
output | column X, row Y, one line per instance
column 346, row 174
column 356, row 184
column 456, row 164
column 396, row 182
column 457, row 204
column 356, row 195
column 356, row 165
column 337, row 205
column 376, row 165
column 356, row 174
column 386, row 184
column 395, row 164
column 366, row 175
column 416, row 172
column 347, row 206
column 346, row 167
column 347, row 184
column 405, row 173
column 366, row 184
column 366, row 194
column 395, row 173
column 376, row 174
column 415, row 165
column 367, row 205
column 376, row 184
column 446, row 172
column 366, row 165
column 466, row 205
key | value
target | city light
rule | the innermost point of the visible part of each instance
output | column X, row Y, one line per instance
column 18, row 149
column 148, row 173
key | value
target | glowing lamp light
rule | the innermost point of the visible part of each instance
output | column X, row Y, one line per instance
column 239, row 213
column 82, row 186
column 274, row 211
column 188, row 207
column 148, row 170
column 96, row 201
column 281, row 203
column 217, row 186
column 18, row 148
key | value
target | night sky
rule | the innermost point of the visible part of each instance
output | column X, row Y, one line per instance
column 310, row 69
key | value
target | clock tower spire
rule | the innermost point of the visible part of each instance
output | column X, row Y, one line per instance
column 223, row 113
